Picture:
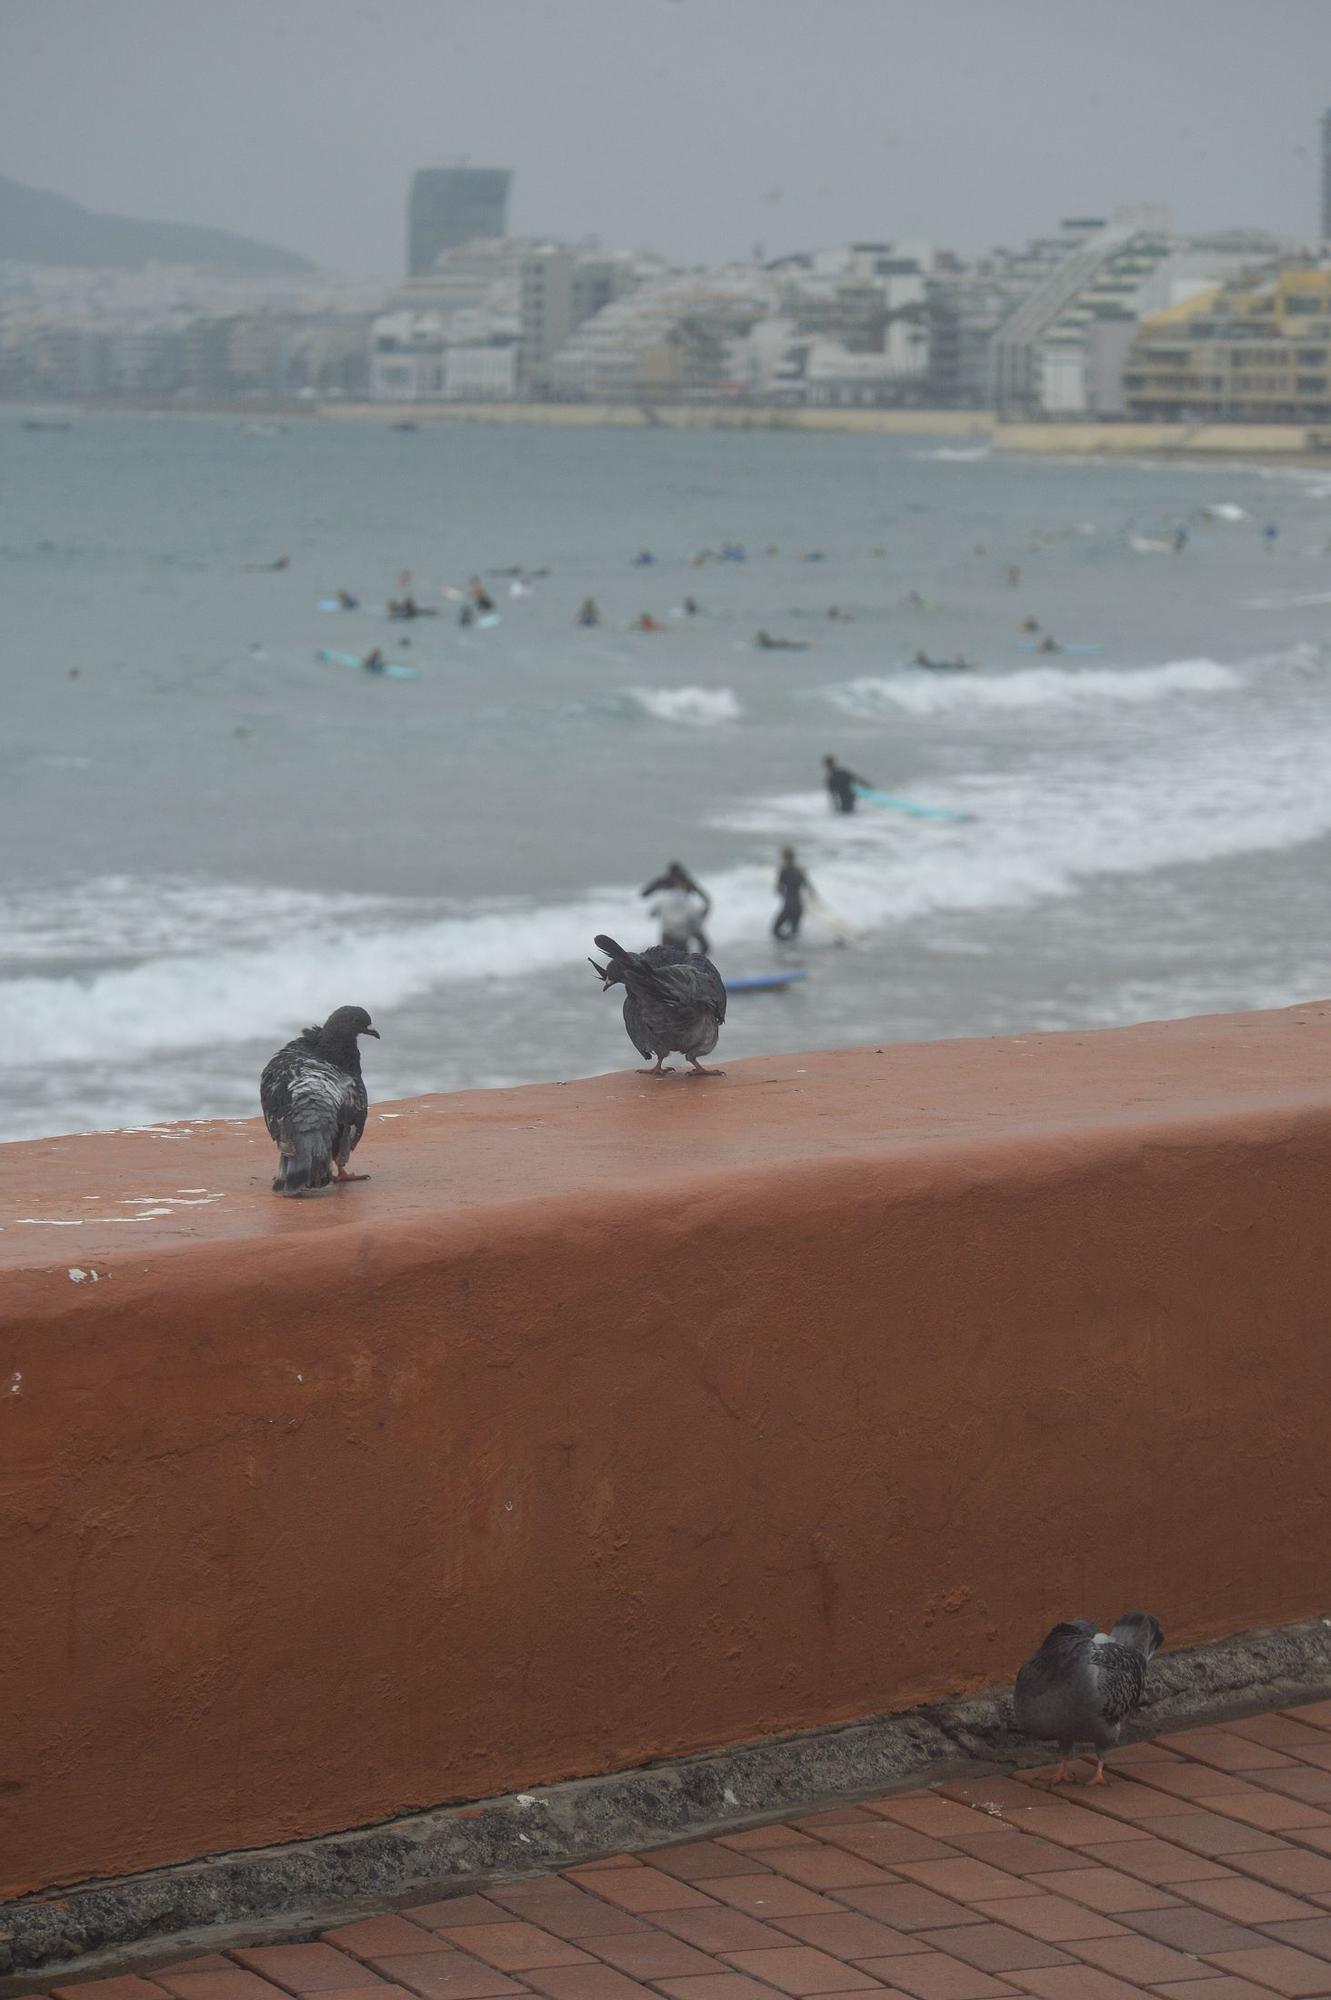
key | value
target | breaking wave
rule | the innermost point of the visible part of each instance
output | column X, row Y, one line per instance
column 691, row 707
column 920, row 693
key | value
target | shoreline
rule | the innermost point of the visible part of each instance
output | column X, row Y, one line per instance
column 1280, row 443
column 978, row 427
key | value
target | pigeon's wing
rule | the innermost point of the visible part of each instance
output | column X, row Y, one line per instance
column 692, row 982
column 1052, row 1697
column 637, row 1029
column 713, row 986
column 275, row 1089
column 1120, row 1678
column 354, row 1110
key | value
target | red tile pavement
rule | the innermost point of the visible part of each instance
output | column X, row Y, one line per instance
column 654, row 1955
column 1052, row 1918
column 515, row 1947
column 1278, row 1966
column 448, row 1975
column 455, row 1911
column 305, row 1968
column 126, row 1987
column 1202, row 1872
column 799, row 1969
column 718, row 1986
column 378, row 1937
column 234, row 1984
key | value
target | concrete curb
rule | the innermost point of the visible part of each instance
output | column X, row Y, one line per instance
column 309, row 1885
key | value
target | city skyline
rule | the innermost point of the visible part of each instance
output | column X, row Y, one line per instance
column 637, row 122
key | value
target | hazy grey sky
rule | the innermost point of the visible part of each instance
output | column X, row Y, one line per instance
column 694, row 126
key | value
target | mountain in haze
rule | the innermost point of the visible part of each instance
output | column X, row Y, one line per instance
column 41, row 228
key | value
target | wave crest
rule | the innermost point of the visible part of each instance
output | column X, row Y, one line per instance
column 919, row 693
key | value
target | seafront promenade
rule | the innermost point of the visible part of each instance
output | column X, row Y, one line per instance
column 621, row 1421
column 1204, row 1864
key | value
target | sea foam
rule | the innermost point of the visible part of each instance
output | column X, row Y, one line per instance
column 920, row 692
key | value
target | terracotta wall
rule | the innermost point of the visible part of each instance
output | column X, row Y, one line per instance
column 625, row 1419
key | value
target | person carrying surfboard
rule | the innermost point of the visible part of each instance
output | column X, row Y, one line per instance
column 841, row 785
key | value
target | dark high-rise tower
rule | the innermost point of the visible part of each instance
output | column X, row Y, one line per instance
column 1326, row 177
column 451, row 205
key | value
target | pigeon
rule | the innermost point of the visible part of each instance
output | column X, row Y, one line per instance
column 1082, row 1683
column 676, row 1001
column 314, row 1102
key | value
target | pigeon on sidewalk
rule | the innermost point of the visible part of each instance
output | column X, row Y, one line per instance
column 314, row 1102
column 1082, row 1685
column 676, row 1001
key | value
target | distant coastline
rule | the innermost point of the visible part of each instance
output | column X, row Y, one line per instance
column 981, row 427
column 1280, row 442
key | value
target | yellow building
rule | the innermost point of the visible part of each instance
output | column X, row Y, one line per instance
column 1258, row 352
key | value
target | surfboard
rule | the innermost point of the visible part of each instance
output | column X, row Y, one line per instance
column 764, row 982
column 911, row 806
column 1033, row 646
column 487, row 620
column 393, row 670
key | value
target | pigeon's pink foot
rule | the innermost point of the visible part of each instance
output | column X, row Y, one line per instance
column 698, row 1070
column 343, row 1175
column 659, row 1070
column 1099, row 1777
column 1062, row 1775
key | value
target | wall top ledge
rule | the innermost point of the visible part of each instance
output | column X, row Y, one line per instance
column 76, row 1204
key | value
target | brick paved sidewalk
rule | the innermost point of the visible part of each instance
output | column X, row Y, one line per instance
column 1208, row 1858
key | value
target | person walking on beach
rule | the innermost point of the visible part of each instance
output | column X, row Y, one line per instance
column 841, row 785
column 792, row 885
column 680, row 909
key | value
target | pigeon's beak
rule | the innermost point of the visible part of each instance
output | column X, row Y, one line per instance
column 371, row 1031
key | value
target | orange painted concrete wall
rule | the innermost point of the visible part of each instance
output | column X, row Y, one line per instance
column 622, row 1419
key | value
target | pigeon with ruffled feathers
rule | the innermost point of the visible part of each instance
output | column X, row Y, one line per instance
column 676, row 1001
column 314, row 1102
column 1082, row 1685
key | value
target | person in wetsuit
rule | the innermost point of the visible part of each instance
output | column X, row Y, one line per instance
column 682, row 920
column 841, row 785
column 589, row 612
column 373, row 662
column 792, row 884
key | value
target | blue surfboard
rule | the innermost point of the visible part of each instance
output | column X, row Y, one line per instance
column 393, row 670
column 911, row 806
column 764, row 982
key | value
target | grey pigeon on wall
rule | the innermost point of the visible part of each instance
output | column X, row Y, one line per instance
column 1082, row 1685
column 676, row 1001
column 314, row 1102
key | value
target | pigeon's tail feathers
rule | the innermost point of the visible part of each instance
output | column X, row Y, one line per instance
column 1139, row 1632
column 637, row 965
column 310, row 1164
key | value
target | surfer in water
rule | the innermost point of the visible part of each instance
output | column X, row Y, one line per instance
column 841, row 785
column 589, row 612
column 680, row 908
column 792, row 885
column 767, row 644
column 1049, row 644
column 373, row 662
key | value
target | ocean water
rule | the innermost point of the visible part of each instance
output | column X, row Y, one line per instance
column 209, row 837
